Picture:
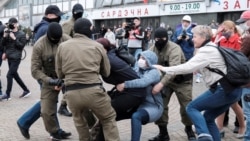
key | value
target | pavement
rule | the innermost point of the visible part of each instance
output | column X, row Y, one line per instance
column 10, row 111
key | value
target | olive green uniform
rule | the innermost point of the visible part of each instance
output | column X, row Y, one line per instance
column 43, row 69
column 68, row 27
column 172, row 55
column 79, row 62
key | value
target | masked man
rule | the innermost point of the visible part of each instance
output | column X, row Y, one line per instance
column 170, row 54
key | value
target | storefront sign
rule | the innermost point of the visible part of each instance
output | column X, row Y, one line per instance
column 185, row 8
column 136, row 11
column 229, row 5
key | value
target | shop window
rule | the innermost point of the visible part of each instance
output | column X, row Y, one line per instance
column 116, row 2
column 46, row 1
column 40, row 2
column 35, row 2
column 129, row 1
column 20, row 2
column 98, row 3
column 106, row 3
column 12, row 4
column 25, row 2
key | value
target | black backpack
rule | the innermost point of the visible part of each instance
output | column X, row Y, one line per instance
column 238, row 66
column 123, row 53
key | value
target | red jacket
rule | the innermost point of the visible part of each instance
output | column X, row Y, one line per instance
column 234, row 42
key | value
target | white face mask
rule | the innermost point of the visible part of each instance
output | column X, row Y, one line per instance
column 142, row 63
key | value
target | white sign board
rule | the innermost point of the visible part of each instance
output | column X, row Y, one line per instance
column 185, row 8
column 126, row 12
column 229, row 5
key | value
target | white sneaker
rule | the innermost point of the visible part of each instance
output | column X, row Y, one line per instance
column 5, row 98
column 198, row 80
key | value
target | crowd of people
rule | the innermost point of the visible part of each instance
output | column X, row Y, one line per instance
column 62, row 60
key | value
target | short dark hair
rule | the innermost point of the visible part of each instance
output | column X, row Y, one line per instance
column 12, row 20
column 137, row 18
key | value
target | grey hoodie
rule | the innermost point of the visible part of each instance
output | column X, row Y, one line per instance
column 150, row 76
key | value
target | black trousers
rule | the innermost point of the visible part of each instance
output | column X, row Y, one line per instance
column 12, row 73
column 125, row 105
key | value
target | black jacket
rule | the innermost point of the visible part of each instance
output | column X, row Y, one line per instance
column 1, row 35
column 121, row 72
column 13, row 48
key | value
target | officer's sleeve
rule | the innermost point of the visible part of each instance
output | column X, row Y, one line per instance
column 105, row 65
column 66, row 29
column 36, row 64
column 175, row 56
column 58, row 65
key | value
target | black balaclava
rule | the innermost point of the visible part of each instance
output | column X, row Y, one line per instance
column 82, row 26
column 58, row 19
column 161, row 33
column 54, row 32
column 77, row 11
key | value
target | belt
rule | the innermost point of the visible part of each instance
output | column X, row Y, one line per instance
column 81, row 86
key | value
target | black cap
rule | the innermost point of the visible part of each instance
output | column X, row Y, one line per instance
column 53, row 9
column 77, row 8
column 13, row 20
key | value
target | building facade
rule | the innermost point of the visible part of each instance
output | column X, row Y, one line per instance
column 113, row 12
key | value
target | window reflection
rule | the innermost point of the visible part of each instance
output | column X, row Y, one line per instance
column 129, row 1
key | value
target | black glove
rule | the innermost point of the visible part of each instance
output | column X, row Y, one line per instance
column 56, row 82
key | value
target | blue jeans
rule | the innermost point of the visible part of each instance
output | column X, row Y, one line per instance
column 213, row 104
column 30, row 116
column 246, row 109
column 138, row 118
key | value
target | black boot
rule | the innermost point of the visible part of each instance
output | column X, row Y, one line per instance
column 64, row 111
column 162, row 136
column 190, row 133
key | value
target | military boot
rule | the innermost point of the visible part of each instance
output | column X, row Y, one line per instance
column 190, row 133
column 162, row 136
column 64, row 111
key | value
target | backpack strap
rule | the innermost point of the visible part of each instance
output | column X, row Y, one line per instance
column 215, row 70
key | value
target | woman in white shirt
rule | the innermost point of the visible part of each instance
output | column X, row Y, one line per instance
column 110, row 36
column 218, row 98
